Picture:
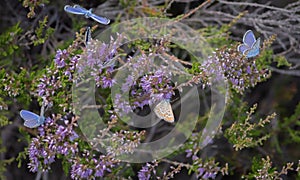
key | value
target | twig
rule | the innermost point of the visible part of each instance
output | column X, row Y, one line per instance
column 286, row 72
column 192, row 11
column 254, row 4
column 188, row 166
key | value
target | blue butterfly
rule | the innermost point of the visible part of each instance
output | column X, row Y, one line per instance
column 76, row 9
column 88, row 36
column 250, row 46
column 32, row 120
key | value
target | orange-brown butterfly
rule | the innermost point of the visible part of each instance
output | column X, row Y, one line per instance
column 164, row 111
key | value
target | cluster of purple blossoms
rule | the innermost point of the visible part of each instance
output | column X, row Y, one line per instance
column 48, row 87
column 147, row 170
column 90, row 168
column 121, row 104
column 64, row 60
column 121, row 144
column 53, row 140
column 205, row 174
column 146, row 83
column 240, row 72
column 147, row 90
column 144, row 173
column 105, row 79
column 52, row 81
column 60, row 57
column 98, row 61
column 205, row 170
column 153, row 88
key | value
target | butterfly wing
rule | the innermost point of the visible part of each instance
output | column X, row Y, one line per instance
column 249, row 38
column 76, row 9
column 41, row 120
column 31, row 123
column 243, row 48
column 164, row 111
column 88, row 36
column 254, row 51
column 31, row 119
column 80, row 8
column 100, row 19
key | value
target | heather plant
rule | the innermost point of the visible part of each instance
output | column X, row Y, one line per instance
column 99, row 96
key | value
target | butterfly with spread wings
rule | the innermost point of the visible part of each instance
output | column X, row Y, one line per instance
column 250, row 46
column 76, row 9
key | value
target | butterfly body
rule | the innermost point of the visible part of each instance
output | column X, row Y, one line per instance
column 76, row 9
column 250, row 46
column 164, row 111
column 32, row 120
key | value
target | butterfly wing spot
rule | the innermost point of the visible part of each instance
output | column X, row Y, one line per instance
column 164, row 111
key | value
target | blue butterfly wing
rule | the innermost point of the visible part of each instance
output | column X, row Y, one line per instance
column 31, row 123
column 31, row 119
column 28, row 115
column 254, row 51
column 41, row 120
column 100, row 19
column 80, row 8
column 75, row 10
column 88, row 36
column 243, row 48
column 249, row 38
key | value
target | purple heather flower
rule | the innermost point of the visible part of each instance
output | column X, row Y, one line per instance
column 146, row 83
column 201, row 170
column 101, row 167
column 102, row 49
column 61, row 132
column 141, row 104
column 194, row 157
column 48, row 144
column 208, row 175
column 207, row 140
column 60, row 58
column 121, row 105
column 89, row 170
column 73, row 136
column 129, row 82
column 144, row 173
column 107, row 82
column 86, row 173
column 189, row 153
column 248, row 69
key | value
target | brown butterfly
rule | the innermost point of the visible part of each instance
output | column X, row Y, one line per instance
column 164, row 111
